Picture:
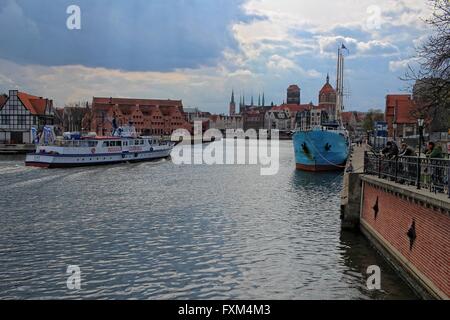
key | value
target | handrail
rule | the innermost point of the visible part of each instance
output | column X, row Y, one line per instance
column 422, row 172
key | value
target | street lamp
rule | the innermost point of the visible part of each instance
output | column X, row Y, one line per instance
column 395, row 131
column 420, row 123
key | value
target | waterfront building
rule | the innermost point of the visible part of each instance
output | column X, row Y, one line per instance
column 278, row 120
column 19, row 113
column 148, row 116
column 253, row 116
column 223, row 122
column 194, row 114
column 292, row 110
column 399, row 116
column 310, row 118
column 353, row 122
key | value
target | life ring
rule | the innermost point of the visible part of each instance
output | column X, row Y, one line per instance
column 93, row 150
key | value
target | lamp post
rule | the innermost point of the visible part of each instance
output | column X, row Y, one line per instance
column 395, row 131
column 420, row 123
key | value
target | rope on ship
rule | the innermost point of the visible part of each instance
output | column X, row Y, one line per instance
column 330, row 162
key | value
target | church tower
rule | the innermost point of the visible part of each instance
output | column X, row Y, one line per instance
column 293, row 94
column 327, row 98
column 232, row 104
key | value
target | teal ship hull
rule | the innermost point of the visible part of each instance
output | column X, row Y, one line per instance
column 321, row 150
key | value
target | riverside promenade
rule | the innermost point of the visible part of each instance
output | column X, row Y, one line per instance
column 405, row 216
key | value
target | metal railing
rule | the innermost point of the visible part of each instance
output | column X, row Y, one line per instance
column 431, row 174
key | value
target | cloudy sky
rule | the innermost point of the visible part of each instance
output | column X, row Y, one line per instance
column 198, row 50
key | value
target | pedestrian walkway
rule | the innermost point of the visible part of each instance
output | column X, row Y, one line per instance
column 357, row 158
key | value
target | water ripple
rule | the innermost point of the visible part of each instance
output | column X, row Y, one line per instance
column 160, row 231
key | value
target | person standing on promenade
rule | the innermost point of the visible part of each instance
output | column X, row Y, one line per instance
column 434, row 151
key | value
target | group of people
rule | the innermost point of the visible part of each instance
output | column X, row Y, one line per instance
column 391, row 151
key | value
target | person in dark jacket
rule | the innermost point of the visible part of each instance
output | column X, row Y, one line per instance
column 434, row 151
column 391, row 150
column 406, row 151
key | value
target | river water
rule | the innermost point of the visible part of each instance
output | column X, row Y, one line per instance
column 164, row 231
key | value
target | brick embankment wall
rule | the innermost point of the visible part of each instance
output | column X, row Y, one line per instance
column 413, row 231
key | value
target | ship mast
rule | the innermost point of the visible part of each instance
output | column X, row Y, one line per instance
column 340, row 85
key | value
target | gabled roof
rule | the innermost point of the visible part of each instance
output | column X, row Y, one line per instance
column 36, row 105
column 3, row 99
column 293, row 107
column 400, row 108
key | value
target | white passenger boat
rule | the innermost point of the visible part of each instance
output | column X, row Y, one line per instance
column 90, row 151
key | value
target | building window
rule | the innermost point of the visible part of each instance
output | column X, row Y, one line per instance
column 21, row 120
column 4, row 120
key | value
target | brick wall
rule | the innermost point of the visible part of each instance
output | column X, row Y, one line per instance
column 430, row 253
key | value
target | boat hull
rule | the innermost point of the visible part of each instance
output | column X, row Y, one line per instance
column 320, row 150
column 71, row 161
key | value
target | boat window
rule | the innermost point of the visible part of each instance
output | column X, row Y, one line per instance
column 105, row 144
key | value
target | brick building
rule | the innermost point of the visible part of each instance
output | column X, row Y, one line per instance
column 223, row 122
column 327, row 99
column 399, row 116
column 293, row 94
column 148, row 116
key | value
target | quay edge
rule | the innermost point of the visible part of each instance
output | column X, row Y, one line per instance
column 385, row 212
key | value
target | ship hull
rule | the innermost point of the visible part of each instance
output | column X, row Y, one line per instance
column 71, row 161
column 320, row 150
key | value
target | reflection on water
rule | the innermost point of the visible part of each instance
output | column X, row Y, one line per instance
column 157, row 230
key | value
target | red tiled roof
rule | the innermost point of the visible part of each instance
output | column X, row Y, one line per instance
column 36, row 105
column 400, row 107
column 3, row 99
column 347, row 116
column 140, row 102
column 327, row 88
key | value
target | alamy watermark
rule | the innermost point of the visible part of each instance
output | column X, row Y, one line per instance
column 73, row 22
column 374, row 279
column 74, row 280
column 236, row 147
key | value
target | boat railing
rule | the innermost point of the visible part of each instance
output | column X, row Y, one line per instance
column 72, row 144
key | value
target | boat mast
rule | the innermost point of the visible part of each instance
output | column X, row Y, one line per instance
column 340, row 86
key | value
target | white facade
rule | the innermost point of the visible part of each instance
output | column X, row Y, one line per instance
column 278, row 120
column 16, row 120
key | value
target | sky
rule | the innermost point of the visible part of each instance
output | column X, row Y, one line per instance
column 200, row 50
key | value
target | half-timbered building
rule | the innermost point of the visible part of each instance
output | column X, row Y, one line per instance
column 19, row 112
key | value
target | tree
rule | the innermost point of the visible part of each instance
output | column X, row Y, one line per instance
column 372, row 116
column 431, row 91
column 74, row 114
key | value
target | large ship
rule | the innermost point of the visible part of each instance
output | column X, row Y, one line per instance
column 75, row 151
column 323, row 144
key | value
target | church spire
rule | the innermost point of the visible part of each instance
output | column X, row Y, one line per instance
column 252, row 101
column 232, row 96
column 328, row 78
column 259, row 100
column 263, row 100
